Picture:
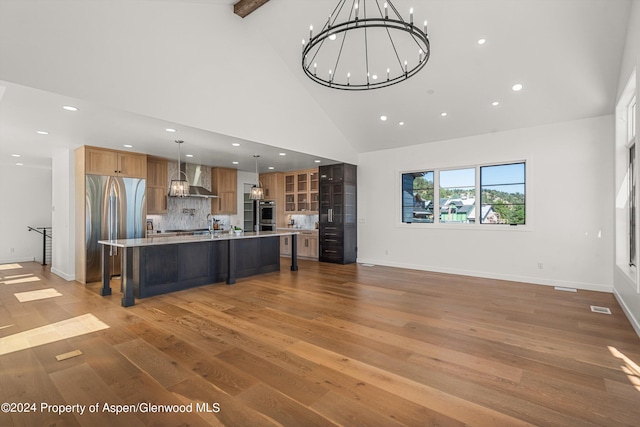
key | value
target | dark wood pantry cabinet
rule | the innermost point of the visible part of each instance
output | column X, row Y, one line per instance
column 338, row 213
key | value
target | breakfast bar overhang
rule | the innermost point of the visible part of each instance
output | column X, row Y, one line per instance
column 158, row 265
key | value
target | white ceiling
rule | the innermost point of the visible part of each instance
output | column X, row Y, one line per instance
column 239, row 80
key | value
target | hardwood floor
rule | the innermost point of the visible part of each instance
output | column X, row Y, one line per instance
column 328, row 345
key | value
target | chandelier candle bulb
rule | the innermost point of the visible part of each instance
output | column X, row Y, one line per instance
column 424, row 27
column 348, row 77
column 388, row 74
column 355, row 6
column 405, row 67
column 411, row 15
column 310, row 32
column 386, row 11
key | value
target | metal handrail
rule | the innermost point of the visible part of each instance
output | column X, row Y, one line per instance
column 44, row 239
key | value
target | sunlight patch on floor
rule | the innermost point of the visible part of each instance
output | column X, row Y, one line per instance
column 53, row 332
column 9, row 266
column 630, row 367
column 15, row 276
column 37, row 295
column 21, row 280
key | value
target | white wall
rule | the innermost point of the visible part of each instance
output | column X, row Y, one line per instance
column 63, row 215
column 625, row 286
column 569, row 224
column 25, row 200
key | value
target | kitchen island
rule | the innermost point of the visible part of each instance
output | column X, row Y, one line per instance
column 158, row 265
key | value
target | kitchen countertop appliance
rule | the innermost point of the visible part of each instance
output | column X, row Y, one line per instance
column 115, row 209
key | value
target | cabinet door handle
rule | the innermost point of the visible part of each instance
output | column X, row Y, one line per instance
column 306, row 243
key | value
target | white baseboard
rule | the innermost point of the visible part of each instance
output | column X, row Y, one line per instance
column 632, row 319
column 497, row 276
column 65, row 276
column 14, row 260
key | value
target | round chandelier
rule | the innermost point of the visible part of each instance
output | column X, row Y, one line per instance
column 365, row 45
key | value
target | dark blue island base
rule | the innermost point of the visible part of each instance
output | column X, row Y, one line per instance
column 155, row 269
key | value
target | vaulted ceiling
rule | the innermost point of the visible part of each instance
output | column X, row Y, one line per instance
column 135, row 68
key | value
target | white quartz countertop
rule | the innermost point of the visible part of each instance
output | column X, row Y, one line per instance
column 173, row 240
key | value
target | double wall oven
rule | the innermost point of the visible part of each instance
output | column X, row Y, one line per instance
column 267, row 215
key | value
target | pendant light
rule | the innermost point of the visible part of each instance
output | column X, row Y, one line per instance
column 257, row 192
column 179, row 187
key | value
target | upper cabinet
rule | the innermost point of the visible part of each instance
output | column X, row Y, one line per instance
column 272, row 183
column 157, row 185
column 224, row 185
column 301, row 191
column 100, row 161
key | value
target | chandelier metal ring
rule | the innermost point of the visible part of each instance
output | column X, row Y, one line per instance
column 403, row 68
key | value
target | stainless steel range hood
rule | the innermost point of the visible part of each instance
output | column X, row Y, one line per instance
column 194, row 177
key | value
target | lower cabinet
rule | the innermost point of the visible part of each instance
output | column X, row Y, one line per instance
column 285, row 245
column 307, row 245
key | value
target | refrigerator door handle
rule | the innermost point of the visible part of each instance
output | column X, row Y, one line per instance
column 116, row 224
column 109, row 224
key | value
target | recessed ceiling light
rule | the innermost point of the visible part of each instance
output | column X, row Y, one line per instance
column 170, row 130
column 189, row 155
column 282, row 154
column 235, row 163
column 495, row 103
column 128, row 146
column 317, row 161
column 482, row 41
column 383, row 118
column 400, row 123
column 443, row 114
column 271, row 168
column 235, row 144
column 69, row 108
column 19, row 164
column 42, row 132
column 15, row 155
column 516, row 87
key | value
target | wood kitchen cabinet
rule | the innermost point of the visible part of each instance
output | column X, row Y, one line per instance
column 285, row 245
column 157, row 185
column 224, row 185
column 101, row 161
column 308, row 244
column 301, row 191
column 338, row 212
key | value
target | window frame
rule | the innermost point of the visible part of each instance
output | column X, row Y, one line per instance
column 436, row 224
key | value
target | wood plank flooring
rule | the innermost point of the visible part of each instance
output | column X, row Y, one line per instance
column 329, row 345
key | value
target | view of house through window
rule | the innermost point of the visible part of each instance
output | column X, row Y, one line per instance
column 458, row 195
column 417, row 197
column 501, row 190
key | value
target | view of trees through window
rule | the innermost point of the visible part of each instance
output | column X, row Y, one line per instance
column 501, row 192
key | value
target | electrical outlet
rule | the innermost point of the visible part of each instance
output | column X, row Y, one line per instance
column 12, row 250
column 540, row 266
column 386, row 251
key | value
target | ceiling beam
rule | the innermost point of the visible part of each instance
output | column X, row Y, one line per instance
column 245, row 7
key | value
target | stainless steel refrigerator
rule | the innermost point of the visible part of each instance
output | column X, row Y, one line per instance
column 116, row 208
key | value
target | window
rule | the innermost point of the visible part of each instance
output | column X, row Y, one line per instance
column 632, row 205
column 417, row 197
column 500, row 188
column 457, row 195
column 631, row 138
column 502, row 194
